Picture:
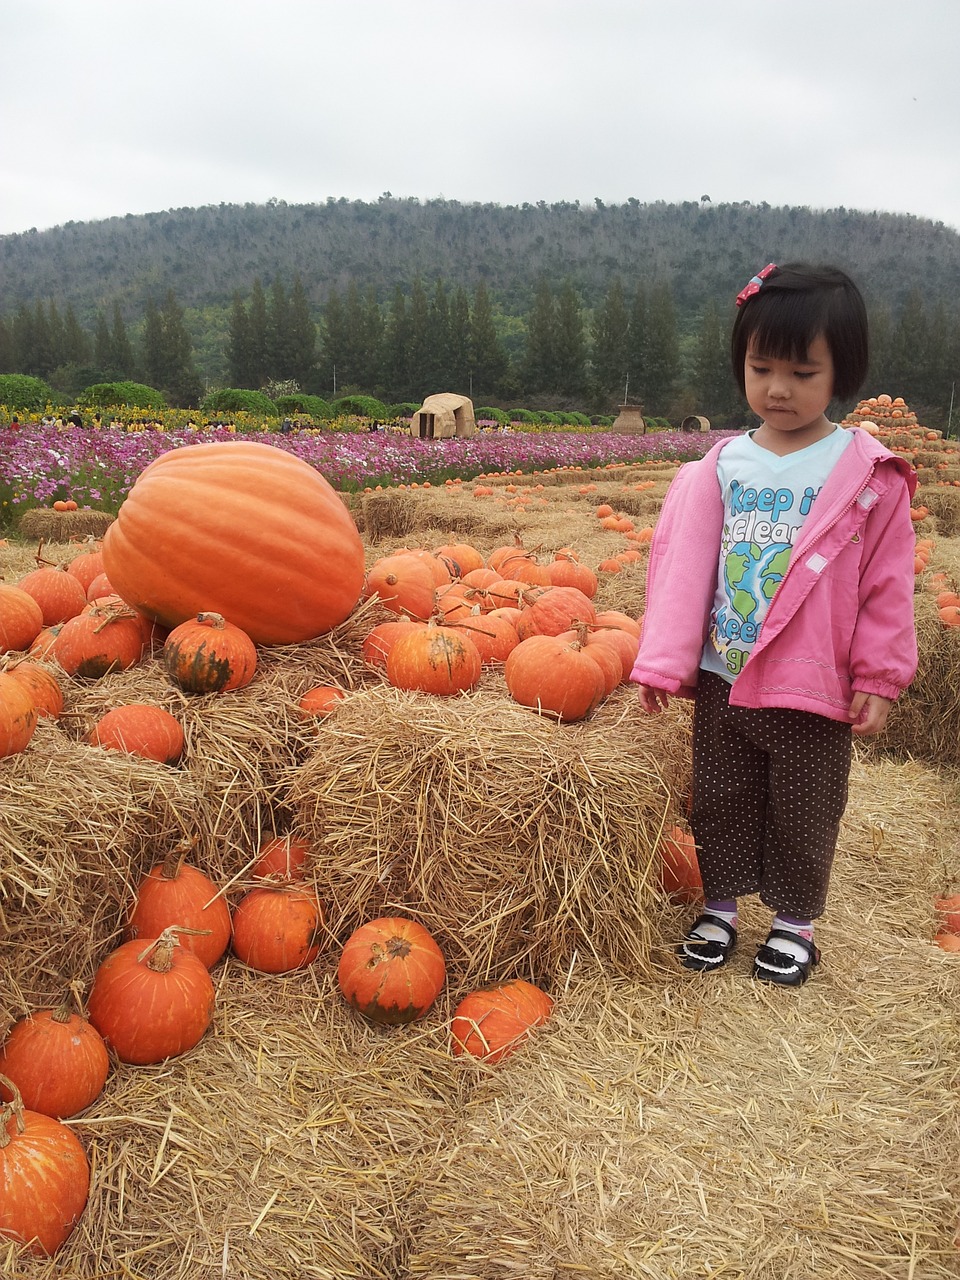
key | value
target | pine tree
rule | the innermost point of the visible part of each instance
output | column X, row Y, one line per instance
column 122, row 357
column 540, row 364
column 611, row 328
column 102, row 352
column 662, row 351
column 279, row 363
column 303, row 335
column 372, row 341
column 489, row 358
column 419, row 357
column 333, row 343
column 353, row 354
column 937, row 370
column 637, row 344
column 23, row 339
column 570, row 346
column 438, row 340
column 460, row 348
column 57, row 337
column 76, row 344
column 714, row 383
column 396, row 353
column 41, row 357
column 909, row 349
column 168, row 352
column 7, row 350
column 240, row 361
column 257, row 313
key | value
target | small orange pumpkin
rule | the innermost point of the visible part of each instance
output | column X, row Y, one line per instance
column 18, row 715
column 432, row 659
column 281, row 858
column 57, row 1059
column 173, row 892
column 21, row 618
column 207, row 654
column 277, row 929
column 679, row 868
column 152, row 1000
column 45, row 1176
column 391, row 970
column 140, row 729
column 492, row 1023
column 320, row 700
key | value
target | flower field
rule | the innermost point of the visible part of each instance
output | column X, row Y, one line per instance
column 40, row 465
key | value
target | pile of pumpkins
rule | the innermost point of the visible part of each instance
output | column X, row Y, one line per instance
column 152, row 998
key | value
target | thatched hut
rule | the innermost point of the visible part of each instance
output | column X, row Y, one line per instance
column 442, row 416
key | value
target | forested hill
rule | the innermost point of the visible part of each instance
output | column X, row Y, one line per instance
column 704, row 251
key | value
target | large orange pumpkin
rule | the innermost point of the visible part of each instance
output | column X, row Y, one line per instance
column 44, row 1177
column 42, row 686
column 391, row 970
column 105, row 637
column 241, row 528
column 492, row 1023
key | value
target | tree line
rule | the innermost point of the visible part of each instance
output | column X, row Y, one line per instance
column 558, row 353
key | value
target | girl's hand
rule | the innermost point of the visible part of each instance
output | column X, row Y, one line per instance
column 869, row 713
column 653, row 700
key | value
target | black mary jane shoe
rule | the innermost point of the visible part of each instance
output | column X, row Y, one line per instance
column 699, row 953
column 771, row 964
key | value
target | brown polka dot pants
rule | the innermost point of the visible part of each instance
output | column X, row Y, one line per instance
column 769, row 790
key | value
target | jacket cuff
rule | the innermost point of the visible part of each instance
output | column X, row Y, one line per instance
column 641, row 675
column 882, row 688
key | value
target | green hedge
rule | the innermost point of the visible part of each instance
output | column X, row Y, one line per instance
column 314, row 406
column 18, row 391
column 492, row 415
column 133, row 395
column 236, row 400
column 361, row 407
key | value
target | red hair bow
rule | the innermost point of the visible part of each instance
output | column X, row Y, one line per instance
column 753, row 286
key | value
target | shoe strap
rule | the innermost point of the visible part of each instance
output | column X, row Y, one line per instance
column 707, row 917
column 813, row 953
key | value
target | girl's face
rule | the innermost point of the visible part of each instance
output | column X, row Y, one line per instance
column 790, row 396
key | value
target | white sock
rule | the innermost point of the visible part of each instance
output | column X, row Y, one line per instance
column 802, row 928
column 713, row 932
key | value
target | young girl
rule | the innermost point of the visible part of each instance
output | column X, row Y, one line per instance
column 780, row 597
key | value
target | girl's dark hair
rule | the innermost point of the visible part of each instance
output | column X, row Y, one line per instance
column 794, row 305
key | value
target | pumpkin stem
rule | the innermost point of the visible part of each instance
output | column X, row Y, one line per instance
column 12, row 1108
column 70, row 1003
column 160, row 950
column 215, row 620
column 174, row 859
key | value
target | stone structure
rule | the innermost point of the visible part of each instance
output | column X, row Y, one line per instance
column 442, row 416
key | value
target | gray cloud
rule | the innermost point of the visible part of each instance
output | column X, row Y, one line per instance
column 107, row 108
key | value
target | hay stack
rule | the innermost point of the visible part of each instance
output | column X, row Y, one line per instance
column 925, row 721
column 64, row 526
column 517, row 842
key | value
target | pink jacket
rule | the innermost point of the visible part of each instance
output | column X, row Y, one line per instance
column 842, row 618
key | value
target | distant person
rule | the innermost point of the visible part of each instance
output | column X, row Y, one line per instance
column 286, row 426
column 796, row 541
column 74, row 419
column 14, row 423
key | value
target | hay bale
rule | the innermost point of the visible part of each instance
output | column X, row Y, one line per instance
column 77, row 825
column 518, row 842
column 389, row 514
column 63, row 526
column 924, row 722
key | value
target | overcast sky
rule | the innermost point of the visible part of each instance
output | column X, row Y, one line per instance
column 115, row 107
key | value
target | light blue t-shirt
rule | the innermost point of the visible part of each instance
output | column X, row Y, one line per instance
column 766, row 501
